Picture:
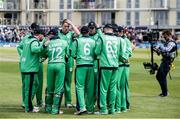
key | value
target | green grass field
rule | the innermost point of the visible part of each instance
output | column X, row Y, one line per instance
column 143, row 87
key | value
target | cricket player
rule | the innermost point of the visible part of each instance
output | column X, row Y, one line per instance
column 122, row 97
column 95, row 33
column 127, row 65
column 39, row 99
column 84, row 52
column 19, row 49
column 22, row 76
column 129, row 47
column 57, row 50
column 67, row 35
column 30, row 66
column 108, row 49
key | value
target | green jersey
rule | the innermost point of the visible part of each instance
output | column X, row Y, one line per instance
column 67, row 37
column 57, row 50
column 97, row 35
column 43, row 56
column 108, row 49
column 128, row 52
column 30, row 55
column 20, row 45
column 122, row 51
column 83, row 50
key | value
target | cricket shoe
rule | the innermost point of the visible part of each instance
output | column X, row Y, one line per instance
column 35, row 109
column 80, row 112
column 100, row 113
column 70, row 106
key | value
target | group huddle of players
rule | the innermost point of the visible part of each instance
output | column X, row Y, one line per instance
column 99, row 58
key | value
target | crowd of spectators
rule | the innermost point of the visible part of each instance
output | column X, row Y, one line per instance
column 11, row 34
column 8, row 34
column 14, row 34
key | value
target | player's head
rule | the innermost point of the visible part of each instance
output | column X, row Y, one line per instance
column 53, row 32
column 85, row 30
column 65, row 26
column 120, row 31
column 92, row 28
column 34, row 26
column 39, row 34
column 108, row 28
column 115, row 28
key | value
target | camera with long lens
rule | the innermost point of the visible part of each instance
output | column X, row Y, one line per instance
column 151, row 36
column 152, row 67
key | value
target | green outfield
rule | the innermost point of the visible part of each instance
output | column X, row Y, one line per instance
column 143, row 87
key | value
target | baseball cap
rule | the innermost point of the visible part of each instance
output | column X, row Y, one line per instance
column 115, row 27
column 53, row 31
column 92, row 24
column 120, row 28
column 108, row 26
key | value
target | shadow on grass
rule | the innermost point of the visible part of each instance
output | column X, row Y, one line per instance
column 11, row 108
column 17, row 108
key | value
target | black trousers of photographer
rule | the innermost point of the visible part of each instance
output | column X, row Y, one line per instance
column 161, row 76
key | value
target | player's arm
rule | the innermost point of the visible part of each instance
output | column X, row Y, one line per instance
column 68, row 51
column 129, row 48
column 20, row 48
column 43, row 55
column 122, row 51
column 73, row 51
column 75, row 29
column 99, row 31
column 36, row 47
column 98, row 47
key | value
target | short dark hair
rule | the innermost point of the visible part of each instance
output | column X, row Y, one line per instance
column 120, row 28
column 39, row 31
column 34, row 26
column 108, row 26
column 84, row 30
column 166, row 32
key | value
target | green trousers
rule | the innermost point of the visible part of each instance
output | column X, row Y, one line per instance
column 31, row 83
column 55, row 85
column 108, row 81
column 85, row 88
column 96, row 77
column 122, row 97
column 39, row 99
column 120, row 88
column 127, row 95
column 23, row 90
column 68, row 80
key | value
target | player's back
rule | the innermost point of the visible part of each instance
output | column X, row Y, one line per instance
column 57, row 50
column 110, row 51
column 85, row 50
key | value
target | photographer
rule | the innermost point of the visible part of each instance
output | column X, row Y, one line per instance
column 168, row 52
